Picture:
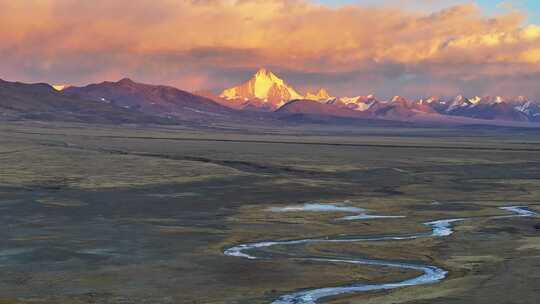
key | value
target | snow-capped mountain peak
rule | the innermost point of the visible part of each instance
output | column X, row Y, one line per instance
column 459, row 98
column 522, row 99
column 358, row 103
column 399, row 99
column 476, row 100
column 429, row 100
column 60, row 87
column 348, row 100
column 459, row 101
column 322, row 94
column 264, row 86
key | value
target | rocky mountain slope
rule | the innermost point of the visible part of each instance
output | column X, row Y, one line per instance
column 42, row 102
column 156, row 100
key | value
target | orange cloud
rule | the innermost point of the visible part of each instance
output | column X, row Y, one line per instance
column 169, row 40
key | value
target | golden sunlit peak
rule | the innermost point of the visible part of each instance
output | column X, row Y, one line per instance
column 322, row 94
column 265, row 86
column 263, row 71
column 268, row 75
column 59, row 87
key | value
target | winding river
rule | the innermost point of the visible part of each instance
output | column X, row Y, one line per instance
column 430, row 274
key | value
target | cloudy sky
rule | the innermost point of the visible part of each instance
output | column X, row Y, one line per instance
column 410, row 48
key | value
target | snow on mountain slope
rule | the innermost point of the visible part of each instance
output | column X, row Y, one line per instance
column 459, row 102
column 357, row 103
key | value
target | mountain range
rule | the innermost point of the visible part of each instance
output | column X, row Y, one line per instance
column 42, row 102
column 154, row 100
column 263, row 98
column 254, row 94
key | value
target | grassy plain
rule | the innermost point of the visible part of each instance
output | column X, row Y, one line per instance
column 130, row 214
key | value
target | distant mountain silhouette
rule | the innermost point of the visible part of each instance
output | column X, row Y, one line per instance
column 42, row 102
column 155, row 100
